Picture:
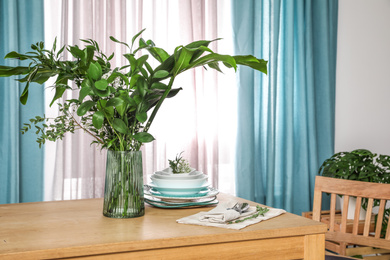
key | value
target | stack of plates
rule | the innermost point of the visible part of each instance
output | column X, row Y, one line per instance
column 168, row 190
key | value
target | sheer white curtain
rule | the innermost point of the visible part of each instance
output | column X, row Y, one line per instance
column 200, row 120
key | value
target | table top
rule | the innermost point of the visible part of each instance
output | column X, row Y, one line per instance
column 77, row 227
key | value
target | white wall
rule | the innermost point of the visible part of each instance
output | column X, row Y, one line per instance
column 363, row 76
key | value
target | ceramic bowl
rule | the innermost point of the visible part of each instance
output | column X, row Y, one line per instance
column 179, row 191
column 169, row 171
column 165, row 175
column 179, row 183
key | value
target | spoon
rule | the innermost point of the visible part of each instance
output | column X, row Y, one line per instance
column 242, row 207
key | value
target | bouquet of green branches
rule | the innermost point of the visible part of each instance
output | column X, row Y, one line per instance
column 115, row 105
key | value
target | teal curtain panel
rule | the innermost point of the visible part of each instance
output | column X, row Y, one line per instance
column 21, row 160
column 285, row 118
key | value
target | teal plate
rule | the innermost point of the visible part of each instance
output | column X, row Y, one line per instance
column 209, row 192
column 179, row 202
column 165, row 205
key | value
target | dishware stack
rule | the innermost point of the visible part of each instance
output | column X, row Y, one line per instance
column 178, row 190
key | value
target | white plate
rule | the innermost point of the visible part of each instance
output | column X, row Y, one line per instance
column 210, row 192
column 169, row 171
column 165, row 175
column 178, row 191
column 179, row 183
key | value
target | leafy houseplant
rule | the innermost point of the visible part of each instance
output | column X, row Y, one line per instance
column 115, row 105
column 359, row 165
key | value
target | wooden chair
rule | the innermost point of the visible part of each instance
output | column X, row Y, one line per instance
column 365, row 234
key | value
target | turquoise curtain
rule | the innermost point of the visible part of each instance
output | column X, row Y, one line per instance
column 286, row 119
column 21, row 160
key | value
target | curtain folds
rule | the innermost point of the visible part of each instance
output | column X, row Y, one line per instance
column 21, row 160
column 75, row 169
column 286, row 119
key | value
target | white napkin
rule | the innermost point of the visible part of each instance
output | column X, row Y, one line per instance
column 220, row 216
column 223, row 213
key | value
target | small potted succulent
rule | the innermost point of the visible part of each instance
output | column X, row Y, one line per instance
column 180, row 165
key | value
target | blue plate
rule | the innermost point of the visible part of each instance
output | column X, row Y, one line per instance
column 207, row 193
column 166, row 205
column 179, row 192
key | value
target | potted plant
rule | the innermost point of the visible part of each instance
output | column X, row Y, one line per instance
column 115, row 105
column 359, row 165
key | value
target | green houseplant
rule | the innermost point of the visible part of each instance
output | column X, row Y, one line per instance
column 115, row 105
column 359, row 165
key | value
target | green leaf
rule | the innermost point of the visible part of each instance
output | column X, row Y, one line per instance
column 183, row 58
column 76, row 52
column 201, row 47
column 132, row 61
column 134, row 80
column 159, row 85
column 211, row 58
column 115, row 40
column 136, row 36
column 167, row 65
column 116, row 101
column 149, row 68
column 120, row 126
column 130, row 101
column 142, row 86
column 60, row 89
column 253, row 62
column 102, row 93
column 98, row 119
column 215, row 65
column 84, row 91
column 101, row 84
column 85, row 107
column 15, row 55
column 89, row 53
column 24, row 96
column 143, row 137
column 6, row 71
column 160, row 74
column 95, row 71
column 141, row 117
column 141, row 61
column 101, row 106
column 158, row 53
column 42, row 77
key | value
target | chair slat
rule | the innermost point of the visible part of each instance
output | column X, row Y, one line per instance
column 367, row 223
column 380, row 218
column 332, row 211
column 357, row 215
column 387, row 236
column 344, row 216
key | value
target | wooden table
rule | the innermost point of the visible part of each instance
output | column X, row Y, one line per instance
column 72, row 229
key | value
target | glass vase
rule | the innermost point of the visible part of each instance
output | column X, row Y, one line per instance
column 124, row 191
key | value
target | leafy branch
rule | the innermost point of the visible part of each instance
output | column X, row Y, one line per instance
column 116, row 105
column 260, row 211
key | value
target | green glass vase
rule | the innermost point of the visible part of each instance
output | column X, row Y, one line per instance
column 124, row 191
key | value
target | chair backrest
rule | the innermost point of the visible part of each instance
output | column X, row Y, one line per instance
column 363, row 191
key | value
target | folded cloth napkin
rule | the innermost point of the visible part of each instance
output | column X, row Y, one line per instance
column 224, row 213
column 221, row 215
